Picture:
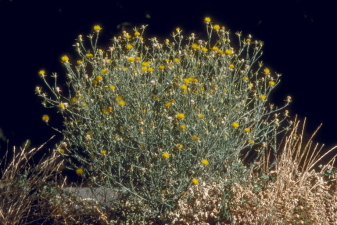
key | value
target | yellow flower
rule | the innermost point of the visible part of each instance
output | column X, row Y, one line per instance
column 216, row 27
column 121, row 103
column 195, row 138
column 168, row 104
column 207, row 19
column 228, row 52
column 146, row 64
column 61, row 105
column 195, row 181
column 104, row 152
column 104, row 71
column 204, row 162
column 166, row 155
column 183, row 87
column 97, row 28
column 65, row 58
column 178, row 29
column 231, row 66
column 141, row 130
column 128, row 36
column 112, row 87
column 110, row 108
column 220, row 52
column 176, row 60
column 41, row 73
column 271, row 83
column 183, row 127
column 94, row 82
column 45, row 118
column 144, row 69
column 138, row 59
column 195, row 46
column 131, row 59
column 215, row 48
column 74, row 99
column 201, row 116
column 129, row 46
column 161, row 67
column 118, row 98
column 150, row 69
column 99, row 78
column 247, row 130
column 180, row 116
column 266, row 71
column 137, row 33
column 62, row 150
column 79, row 171
column 186, row 81
column 263, row 97
column 204, row 49
column 250, row 85
column 235, row 125
column 79, row 62
column 90, row 55
column 179, row 146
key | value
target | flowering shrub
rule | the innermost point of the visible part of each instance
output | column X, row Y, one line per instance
column 156, row 120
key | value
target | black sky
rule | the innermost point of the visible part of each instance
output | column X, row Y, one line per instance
column 299, row 37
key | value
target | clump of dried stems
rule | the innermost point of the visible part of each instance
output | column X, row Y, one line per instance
column 285, row 193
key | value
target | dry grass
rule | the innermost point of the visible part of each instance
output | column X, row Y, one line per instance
column 288, row 194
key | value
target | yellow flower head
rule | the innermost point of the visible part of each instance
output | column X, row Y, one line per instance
column 79, row 171
column 129, row 46
column 121, row 103
column 168, row 104
column 90, row 55
column 216, row 27
column 195, row 46
column 176, row 60
column 65, row 58
column 201, row 116
column 228, row 52
column 150, row 70
column 271, row 83
column 42, row 73
column 204, row 49
column 162, row 67
column 137, row 33
column 183, row 87
column 235, row 125
column 45, row 118
column 215, row 48
column 263, row 97
column 231, row 66
column 180, row 116
column 112, row 87
column 131, row 59
column 179, row 146
column 207, row 19
column 204, row 162
column 195, row 181
column 183, row 127
column 195, row 138
column 98, row 78
column 104, row 71
column 166, row 155
column 266, row 71
column 97, row 28
column 104, row 152
column 247, row 130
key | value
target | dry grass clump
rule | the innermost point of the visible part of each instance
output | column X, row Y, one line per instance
column 29, row 197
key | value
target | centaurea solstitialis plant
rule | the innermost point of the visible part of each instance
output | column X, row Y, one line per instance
column 154, row 120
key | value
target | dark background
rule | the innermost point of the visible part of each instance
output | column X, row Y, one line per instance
column 299, row 37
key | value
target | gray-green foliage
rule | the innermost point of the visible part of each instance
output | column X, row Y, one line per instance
column 125, row 105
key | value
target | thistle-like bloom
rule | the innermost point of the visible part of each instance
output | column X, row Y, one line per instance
column 204, row 162
column 195, row 181
column 207, row 19
column 183, row 127
column 45, row 118
column 79, row 171
column 97, row 28
column 216, row 27
column 235, row 125
column 42, row 73
column 129, row 46
column 65, row 58
column 104, row 71
column 121, row 103
column 166, row 155
column 183, row 87
column 247, row 130
column 180, row 116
